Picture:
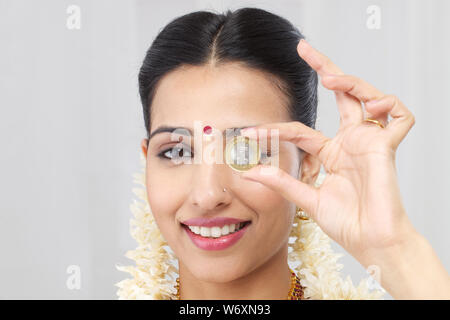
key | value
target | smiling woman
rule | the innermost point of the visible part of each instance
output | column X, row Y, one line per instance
column 230, row 236
column 230, row 230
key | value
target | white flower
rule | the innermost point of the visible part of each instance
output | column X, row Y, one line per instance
column 153, row 276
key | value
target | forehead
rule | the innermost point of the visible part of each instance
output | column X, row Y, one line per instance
column 225, row 96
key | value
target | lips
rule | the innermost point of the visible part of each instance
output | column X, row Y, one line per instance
column 217, row 243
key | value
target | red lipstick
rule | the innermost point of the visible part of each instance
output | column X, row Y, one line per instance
column 215, row 243
column 220, row 243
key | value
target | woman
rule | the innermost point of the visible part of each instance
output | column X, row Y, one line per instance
column 253, row 68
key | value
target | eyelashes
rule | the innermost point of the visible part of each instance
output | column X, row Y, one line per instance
column 177, row 149
column 181, row 154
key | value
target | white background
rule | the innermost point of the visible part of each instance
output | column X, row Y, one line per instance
column 71, row 124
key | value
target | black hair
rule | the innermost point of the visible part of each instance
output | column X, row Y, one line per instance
column 254, row 37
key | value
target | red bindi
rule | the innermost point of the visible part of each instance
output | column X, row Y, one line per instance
column 207, row 129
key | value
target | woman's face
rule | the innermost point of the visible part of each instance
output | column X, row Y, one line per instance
column 228, row 96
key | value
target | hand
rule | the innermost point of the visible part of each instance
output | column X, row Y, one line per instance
column 359, row 203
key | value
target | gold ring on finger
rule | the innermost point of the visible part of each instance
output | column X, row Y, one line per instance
column 378, row 123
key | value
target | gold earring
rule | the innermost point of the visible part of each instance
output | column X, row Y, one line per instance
column 301, row 214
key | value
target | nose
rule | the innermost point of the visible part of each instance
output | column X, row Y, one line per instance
column 208, row 183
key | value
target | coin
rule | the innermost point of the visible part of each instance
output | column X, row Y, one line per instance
column 242, row 153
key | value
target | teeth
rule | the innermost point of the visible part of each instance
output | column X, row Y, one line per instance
column 225, row 230
column 205, row 232
column 216, row 232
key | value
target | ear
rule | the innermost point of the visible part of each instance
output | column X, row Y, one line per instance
column 144, row 145
column 309, row 168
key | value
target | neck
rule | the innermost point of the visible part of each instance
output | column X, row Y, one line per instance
column 270, row 281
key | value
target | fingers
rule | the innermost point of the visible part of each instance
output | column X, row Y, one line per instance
column 350, row 91
column 317, row 60
column 377, row 104
column 304, row 137
column 302, row 194
column 359, row 89
column 402, row 118
column 349, row 108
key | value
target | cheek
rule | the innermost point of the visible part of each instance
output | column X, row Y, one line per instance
column 261, row 198
column 163, row 197
column 273, row 212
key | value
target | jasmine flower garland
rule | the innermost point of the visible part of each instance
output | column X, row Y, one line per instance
column 310, row 256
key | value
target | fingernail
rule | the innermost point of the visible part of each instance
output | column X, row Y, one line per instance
column 250, row 131
column 247, row 129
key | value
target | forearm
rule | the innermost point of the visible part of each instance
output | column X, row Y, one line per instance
column 411, row 270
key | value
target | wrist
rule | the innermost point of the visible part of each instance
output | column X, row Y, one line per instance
column 410, row 269
column 394, row 248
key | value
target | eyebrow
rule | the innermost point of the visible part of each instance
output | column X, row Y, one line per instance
column 171, row 129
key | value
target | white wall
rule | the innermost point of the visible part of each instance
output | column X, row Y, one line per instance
column 71, row 124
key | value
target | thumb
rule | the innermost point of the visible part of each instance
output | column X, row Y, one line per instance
column 300, row 193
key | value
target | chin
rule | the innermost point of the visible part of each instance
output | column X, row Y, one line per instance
column 215, row 271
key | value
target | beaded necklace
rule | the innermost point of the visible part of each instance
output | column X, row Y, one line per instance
column 295, row 293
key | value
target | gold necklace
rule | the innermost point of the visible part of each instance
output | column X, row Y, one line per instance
column 295, row 293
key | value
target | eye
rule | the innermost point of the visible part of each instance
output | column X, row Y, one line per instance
column 175, row 152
